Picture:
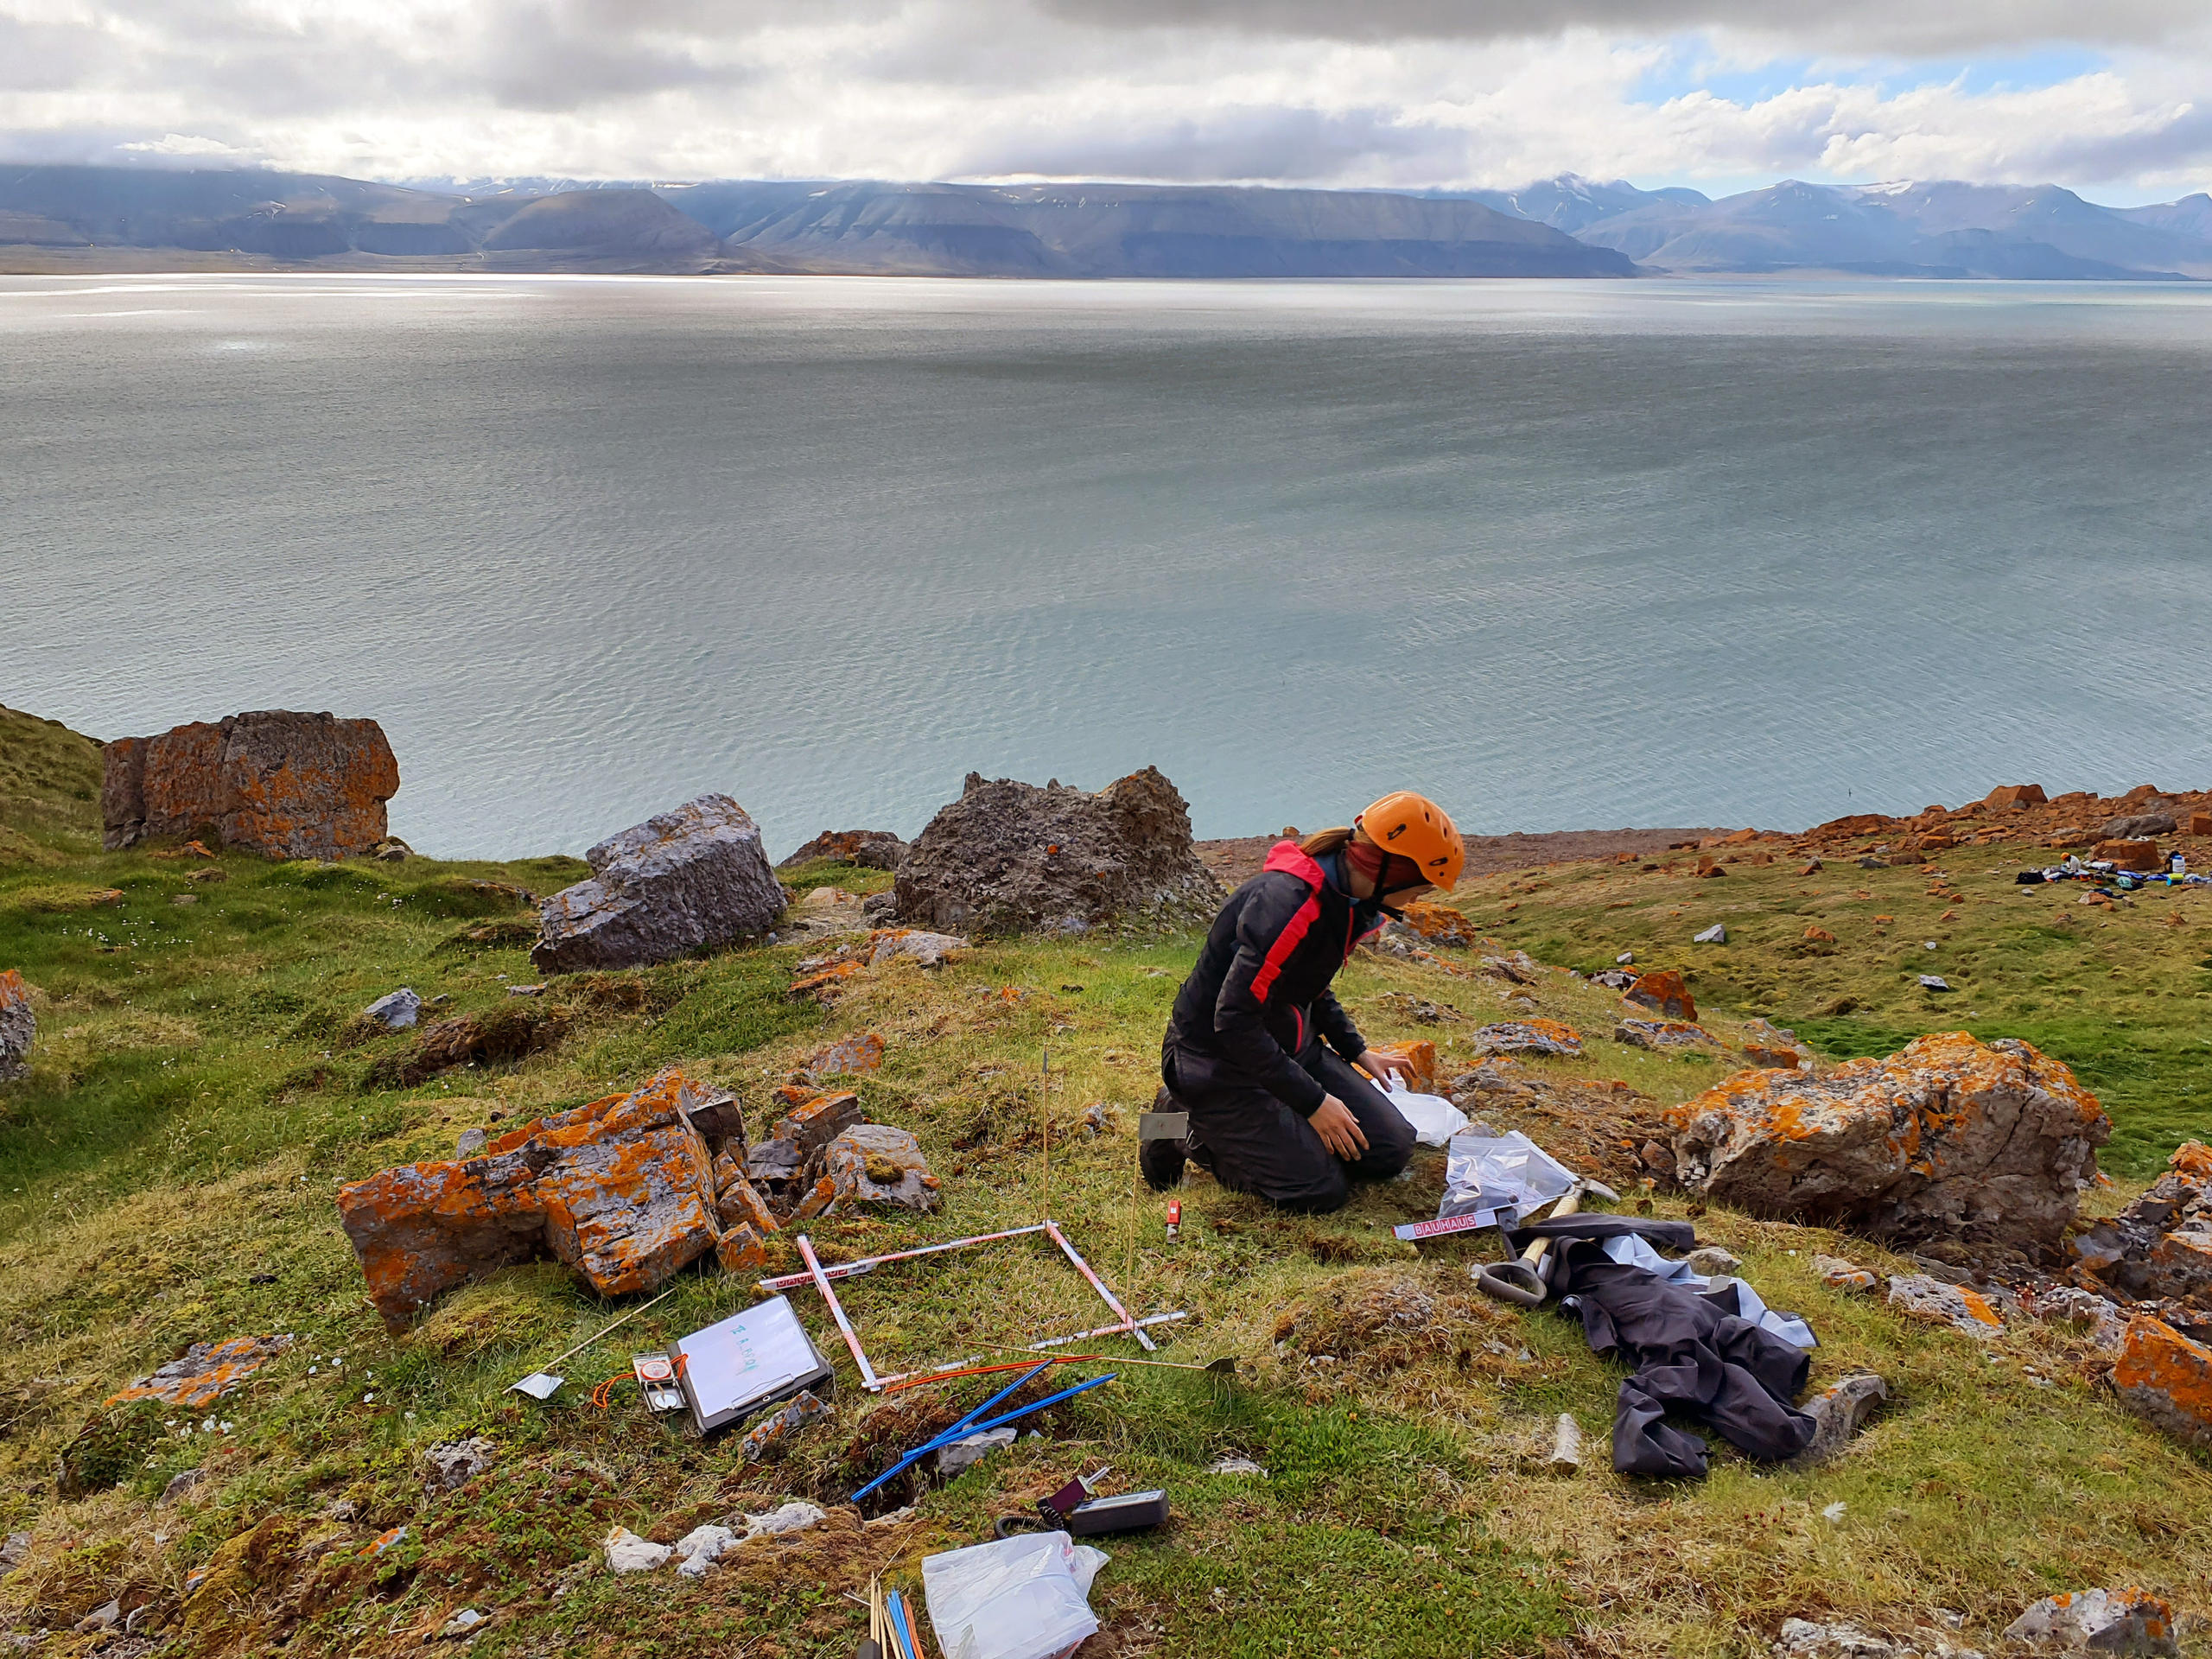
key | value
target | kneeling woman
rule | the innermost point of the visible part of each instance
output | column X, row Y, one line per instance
column 1259, row 1053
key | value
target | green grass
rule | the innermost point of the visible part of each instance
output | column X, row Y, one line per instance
column 202, row 1084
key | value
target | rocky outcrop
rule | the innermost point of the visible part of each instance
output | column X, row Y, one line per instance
column 872, row 849
column 692, row 879
column 621, row 1190
column 2161, row 1244
column 1991, row 1143
column 1009, row 857
column 18, row 1025
column 288, row 786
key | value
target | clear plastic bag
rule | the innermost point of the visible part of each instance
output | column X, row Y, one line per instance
column 1019, row 1598
column 1510, row 1172
column 1435, row 1119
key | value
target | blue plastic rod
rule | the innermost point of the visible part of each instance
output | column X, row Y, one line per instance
column 953, row 1434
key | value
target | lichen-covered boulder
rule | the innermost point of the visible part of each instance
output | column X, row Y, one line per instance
column 286, row 784
column 1665, row 992
column 621, row 1189
column 1952, row 1138
column 694, row 878
column 1009, row 857
column 2166, row 1379
column 18, row 1025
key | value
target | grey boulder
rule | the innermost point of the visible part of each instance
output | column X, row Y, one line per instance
column 688, row 880
column 395, row 1012
column 2141, row 827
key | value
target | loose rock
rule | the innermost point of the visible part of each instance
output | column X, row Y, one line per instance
column 466, row 1622
column 687, row 881
column 1837, row 1414
column 1710, row 1260
column 862, row 1052
column 1662, row 1033
column 205, row 1372
column 18, row 1025
column 1665, row 992
column 874, row 1163
column 1840, row 1274
column 764, row 1439
column 2128, row 1621
column 1529, row 1037
column 395, row 1012
column 1009, row 857
column 1950, row 1137
column 1961, row 1306
column 700, row 1547
column 964, row 1454
column 457, row 1462
column 1717, row 934
column 628, row 1552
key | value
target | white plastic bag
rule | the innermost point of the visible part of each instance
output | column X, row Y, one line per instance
column 1019, row 1598
column 1510, row 1171
column 1435, row 1119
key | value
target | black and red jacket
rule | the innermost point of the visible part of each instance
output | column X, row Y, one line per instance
column 1259, row 996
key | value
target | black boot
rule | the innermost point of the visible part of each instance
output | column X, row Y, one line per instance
column 1162, row 1162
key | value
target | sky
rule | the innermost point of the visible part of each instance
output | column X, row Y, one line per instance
column 2112, row 98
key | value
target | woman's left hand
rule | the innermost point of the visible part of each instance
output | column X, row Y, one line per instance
column 1382, row 1067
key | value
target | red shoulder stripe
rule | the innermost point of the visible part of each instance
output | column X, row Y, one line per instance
column 1293, row 930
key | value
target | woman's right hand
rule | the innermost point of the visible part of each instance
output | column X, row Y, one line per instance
column 1339, row 1129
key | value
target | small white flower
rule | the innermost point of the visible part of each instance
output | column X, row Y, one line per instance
column 368, row 1399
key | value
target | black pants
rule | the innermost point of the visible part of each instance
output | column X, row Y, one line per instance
column 1255, row 1144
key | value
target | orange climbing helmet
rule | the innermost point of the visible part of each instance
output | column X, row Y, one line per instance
column 1416, row 828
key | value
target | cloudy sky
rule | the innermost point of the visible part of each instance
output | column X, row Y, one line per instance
column 2111, row 96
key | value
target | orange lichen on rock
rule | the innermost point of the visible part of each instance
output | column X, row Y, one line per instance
column 1437, row 924
column 862, row 1052
column 1820, row 935
column 1533, row 1036
column 1949, row 1136
column 18, row 1025
column 621, row 1189
column 825, row 983
column 1420, row 1057
column 205, row 1372
column 290, row 785
column 1665, row 991
column 2166, row 1378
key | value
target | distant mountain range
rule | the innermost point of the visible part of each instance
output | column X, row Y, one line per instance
column 1940, row 230
column 61, row 219
column 74, row 218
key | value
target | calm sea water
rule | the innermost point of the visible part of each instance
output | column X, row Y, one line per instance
column 1562, row 555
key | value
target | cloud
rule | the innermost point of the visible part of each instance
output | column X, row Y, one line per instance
column 1389, row 93
column 1907, row 27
